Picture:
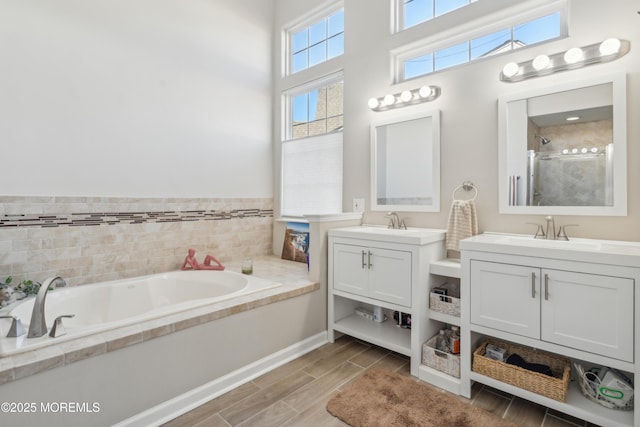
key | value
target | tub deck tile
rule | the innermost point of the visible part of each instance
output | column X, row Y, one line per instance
column 77, row 350
column 6, row 370
column 33, row 362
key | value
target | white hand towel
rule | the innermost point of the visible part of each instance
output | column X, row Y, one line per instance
column 462, row 223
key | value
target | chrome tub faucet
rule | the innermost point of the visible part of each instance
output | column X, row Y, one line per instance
column 38, row 324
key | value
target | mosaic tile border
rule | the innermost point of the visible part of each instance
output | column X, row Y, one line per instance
column 115, row 218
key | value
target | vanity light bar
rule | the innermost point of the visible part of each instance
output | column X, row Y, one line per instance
column 576, row 57
column 404, row 98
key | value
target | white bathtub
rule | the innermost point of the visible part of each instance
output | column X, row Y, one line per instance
column 104, row 306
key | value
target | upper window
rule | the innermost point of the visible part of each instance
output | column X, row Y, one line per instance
column 315, row 109
column 318, row 42
column 414, row 12
column 424, row 61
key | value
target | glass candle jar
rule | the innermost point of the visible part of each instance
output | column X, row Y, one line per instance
column 247, row 266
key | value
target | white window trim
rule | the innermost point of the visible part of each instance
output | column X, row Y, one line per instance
column 397, row 15
column 473, row 29
column 323, row 11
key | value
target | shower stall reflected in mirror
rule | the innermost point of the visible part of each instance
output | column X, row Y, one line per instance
column 570, row 177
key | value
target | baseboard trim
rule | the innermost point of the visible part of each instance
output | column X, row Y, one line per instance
column 170, row 409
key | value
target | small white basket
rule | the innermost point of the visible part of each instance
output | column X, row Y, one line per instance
column 448, row 304
column 440, row 360
column 589, row 388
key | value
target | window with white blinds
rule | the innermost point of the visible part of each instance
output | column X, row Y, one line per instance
column 312, row 175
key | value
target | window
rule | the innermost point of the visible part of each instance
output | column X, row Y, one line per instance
column 414, row 12
column 312, row 148
column 425, row 61
column 312, row 116
column 315, row 112
column 312, row 175
column 316, row 43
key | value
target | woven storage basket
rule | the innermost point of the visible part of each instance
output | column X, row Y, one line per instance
column 449, row 304
column 440, row 360
column 552, row 387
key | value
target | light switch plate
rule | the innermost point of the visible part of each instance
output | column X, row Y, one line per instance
column 358, row 205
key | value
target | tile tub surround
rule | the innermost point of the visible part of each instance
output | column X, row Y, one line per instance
column 292, row 275
column 95, row 239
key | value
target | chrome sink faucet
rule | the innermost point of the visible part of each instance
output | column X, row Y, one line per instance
column 395, row 222
column 551, row 228
column 38, row 324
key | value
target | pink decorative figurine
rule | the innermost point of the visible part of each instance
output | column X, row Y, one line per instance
column 191, row 263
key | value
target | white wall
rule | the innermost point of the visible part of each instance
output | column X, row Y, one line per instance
column 149, row 98
column 469, row 133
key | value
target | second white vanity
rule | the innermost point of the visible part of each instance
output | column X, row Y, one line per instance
column 572, row 298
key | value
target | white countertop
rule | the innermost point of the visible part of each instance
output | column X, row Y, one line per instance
column 589, row 250
column 412, row 235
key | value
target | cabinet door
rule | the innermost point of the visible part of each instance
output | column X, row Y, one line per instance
column 588, row 312
column 390, row 277
column 350, row 269
column 506, row 297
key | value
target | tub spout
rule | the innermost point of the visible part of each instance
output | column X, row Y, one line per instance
column 38, row 324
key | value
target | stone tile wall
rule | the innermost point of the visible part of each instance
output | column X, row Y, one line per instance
column 93, row 239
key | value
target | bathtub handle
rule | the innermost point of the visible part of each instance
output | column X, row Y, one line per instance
column 16, row 329
column 58, row 328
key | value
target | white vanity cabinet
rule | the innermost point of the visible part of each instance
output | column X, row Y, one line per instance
column 373, row 271
column 584, row 311
column 375, row 266
column 576, row 299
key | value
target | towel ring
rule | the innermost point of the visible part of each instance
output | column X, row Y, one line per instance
column 466, row 186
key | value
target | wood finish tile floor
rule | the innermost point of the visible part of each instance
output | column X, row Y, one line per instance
column 296, row 393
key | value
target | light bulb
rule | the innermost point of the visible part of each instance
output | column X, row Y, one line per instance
column 573, row 55
column 389, row 99
column 406, row 96
column 584, row 150
column 609, row 47
column 373, row 103
column 425, row 91
column 565, row 151
column 574, row 150
column 541, row 62
column 594, row 150
column 511, row 69
column 572, row 118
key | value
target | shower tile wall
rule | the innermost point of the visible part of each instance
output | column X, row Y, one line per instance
column 92, row 239
column 575, row 182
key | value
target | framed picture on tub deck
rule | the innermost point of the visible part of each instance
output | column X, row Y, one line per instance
column 296, row 242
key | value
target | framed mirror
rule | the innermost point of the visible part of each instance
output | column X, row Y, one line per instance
column 563, row 149
column 405, row 163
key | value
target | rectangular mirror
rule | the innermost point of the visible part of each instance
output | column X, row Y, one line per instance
column 562, row 150
column 405, row 163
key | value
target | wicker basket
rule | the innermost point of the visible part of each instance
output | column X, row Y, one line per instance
column 440, row 360
column 552, row 387
column 450, row 303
